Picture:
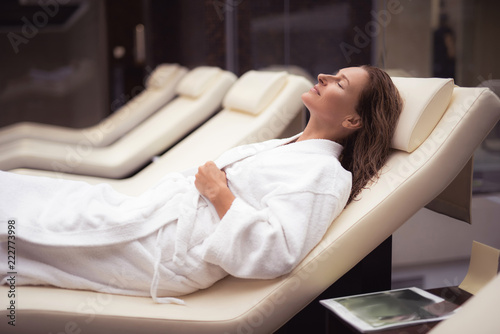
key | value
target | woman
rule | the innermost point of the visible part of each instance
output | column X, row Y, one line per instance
column 253, row 213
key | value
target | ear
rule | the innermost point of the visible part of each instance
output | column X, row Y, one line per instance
column 352, row 122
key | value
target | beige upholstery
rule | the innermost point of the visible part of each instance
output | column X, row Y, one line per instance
column 408, row 182
column 160, row 131
column 264, row 87
column 422, row 109
column 225, row 130
column 159, row 89
column 478, row 315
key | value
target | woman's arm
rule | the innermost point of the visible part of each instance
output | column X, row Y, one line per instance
column 270, row 242
column 211, row 182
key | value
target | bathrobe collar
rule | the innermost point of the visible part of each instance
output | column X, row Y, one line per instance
column 321, row 146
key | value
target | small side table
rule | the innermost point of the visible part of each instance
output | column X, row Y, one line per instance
column 455, row 295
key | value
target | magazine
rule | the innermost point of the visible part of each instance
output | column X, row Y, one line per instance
column 389, row 309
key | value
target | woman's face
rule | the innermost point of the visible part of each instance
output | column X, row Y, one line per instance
column 335, row 96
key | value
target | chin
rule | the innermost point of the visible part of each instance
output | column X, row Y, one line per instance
column 304, row 97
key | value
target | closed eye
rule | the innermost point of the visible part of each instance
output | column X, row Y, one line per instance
column 338, row 83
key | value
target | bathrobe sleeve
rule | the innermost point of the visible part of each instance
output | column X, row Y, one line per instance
column 286, row 198
column 270, row 242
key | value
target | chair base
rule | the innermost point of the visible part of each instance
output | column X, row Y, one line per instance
column 315, row 318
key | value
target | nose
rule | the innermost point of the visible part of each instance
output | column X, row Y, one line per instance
column 323, row 78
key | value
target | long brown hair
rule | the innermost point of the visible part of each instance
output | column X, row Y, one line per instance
column 367, row 149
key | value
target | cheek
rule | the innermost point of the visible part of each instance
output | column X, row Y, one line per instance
column 338, row 99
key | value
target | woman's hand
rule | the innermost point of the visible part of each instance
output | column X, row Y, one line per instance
column 211, row 182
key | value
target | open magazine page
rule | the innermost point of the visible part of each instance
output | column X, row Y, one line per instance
column 389, row 309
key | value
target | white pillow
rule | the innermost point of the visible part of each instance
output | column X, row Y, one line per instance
column 197, row 81
column 254, row 91
column 425, row 101
column 161, row 75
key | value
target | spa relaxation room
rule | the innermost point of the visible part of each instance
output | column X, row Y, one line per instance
column 227, row 166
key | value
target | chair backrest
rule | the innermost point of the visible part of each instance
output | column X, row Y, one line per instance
column 159, row 89
column 199, row 97
column 259, row 106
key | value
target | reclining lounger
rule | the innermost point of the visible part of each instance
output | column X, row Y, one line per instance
column 479, row 314
column 261, row 105
column 159, row 89
column 200, row 94
column 421, row 167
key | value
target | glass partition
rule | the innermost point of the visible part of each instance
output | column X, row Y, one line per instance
column 53, row 62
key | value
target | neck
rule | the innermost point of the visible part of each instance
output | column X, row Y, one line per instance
column 317, row 132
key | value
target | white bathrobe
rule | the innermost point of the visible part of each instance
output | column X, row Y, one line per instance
column 169, row 241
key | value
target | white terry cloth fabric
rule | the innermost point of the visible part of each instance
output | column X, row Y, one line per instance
column 169, row 240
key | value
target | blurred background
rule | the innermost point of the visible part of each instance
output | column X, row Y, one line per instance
column 74, row 62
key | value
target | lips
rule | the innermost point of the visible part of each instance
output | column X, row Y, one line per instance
column 315, row 90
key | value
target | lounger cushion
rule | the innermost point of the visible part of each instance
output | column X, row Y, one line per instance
column 425, row 101
column 264, row 86
column 197, row 81
column 161, row 76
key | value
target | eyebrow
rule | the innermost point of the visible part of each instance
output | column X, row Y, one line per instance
column 342, row 76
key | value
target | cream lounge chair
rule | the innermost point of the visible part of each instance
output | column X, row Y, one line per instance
column 426, row 160
column 200, row 94
column 261, row 105
column 159, row 89
column 478, row 315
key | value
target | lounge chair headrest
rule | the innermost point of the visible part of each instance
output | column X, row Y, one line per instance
column 197, row 81
column 161, row 75
column 425, row 101
column 254, row 91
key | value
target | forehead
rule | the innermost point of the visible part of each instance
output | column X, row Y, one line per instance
column 357, row 77
column 352, row 71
